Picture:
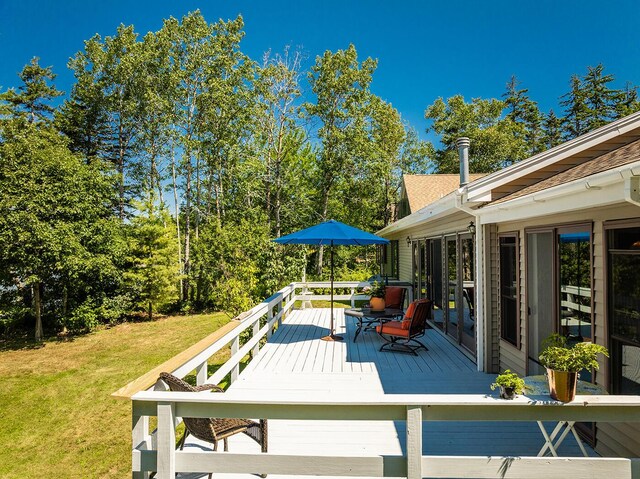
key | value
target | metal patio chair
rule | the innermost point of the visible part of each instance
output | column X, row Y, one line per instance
column 402, row 336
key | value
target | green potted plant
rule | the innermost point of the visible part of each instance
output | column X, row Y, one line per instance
column 563, row 362
column 509, row 383
column 376, row 291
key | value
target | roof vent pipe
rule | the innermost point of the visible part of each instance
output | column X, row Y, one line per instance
column 463, row 153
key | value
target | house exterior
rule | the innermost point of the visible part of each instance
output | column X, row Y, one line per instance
column 550, row 244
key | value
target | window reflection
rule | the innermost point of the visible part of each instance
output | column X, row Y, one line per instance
column 575, row 286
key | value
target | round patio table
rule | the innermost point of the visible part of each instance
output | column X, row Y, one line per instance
column 366, row 317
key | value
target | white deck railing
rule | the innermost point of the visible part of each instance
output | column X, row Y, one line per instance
column 161, row 455
column 155, row 450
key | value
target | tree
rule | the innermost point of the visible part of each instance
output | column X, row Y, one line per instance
column 340, row 84
column 32, row 99
column 524, row 111
column 102, row 117
column 154, row 274
column 279, row 137
column 497, row 141
column 52, row 207
column 552, row 128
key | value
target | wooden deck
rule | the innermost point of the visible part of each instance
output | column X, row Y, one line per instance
column 295, row 359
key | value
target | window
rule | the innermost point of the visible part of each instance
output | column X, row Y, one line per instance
column 509, row 272
column 390, row 259
column 623, row 288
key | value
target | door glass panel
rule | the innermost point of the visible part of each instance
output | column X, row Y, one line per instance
column 468, row 292
column 624, row 309
column 539, row 294
column 452, row 288
column 435, row 268
column 575, row 286
column 423, row 268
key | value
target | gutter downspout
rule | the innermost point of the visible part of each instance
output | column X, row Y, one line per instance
column 461, row 194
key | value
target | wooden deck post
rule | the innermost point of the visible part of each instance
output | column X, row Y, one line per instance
column 166, row 441
column 414, row 442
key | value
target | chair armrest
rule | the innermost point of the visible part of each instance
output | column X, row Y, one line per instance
column 207, row 387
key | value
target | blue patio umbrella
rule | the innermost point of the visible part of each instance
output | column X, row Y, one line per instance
column 331, row 233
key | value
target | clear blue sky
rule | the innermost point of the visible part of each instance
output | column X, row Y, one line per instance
column 425, row 49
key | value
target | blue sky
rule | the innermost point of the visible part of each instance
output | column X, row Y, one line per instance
column 425, row 49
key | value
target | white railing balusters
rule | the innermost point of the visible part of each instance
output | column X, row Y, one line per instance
column 414, row 409
column 201, row 373
column 235, row 372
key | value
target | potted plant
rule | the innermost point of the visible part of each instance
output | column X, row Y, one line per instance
column 509, row 383
column 563, row 362
column 376, row 291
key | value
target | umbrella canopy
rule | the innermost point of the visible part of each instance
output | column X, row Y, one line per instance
column 331, row 233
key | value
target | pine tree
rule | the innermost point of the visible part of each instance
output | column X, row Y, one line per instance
column 552, row 130
column 576, row 118
column 32, row 99
column 153, row 276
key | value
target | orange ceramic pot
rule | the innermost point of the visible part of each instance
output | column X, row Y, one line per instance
column 562, row 385
column 376, row 304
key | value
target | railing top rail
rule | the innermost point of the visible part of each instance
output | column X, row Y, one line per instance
column 454, row 400
column 149, row 379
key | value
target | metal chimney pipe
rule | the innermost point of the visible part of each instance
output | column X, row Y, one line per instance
column 463, row 154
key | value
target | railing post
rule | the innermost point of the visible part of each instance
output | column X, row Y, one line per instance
column 255, row 331
column 201, row 373
column 235, row 345
column 414, row 442
column 353, row 300
column 140, row 435
column 269, row 318
column 280, row 310
column 166, row 441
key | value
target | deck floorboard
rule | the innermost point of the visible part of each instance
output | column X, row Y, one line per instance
column 295, row 359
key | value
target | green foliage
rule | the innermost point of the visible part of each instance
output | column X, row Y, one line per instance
column 496, row 141
column 82, row 319
column 376, row 290
column 153, row 274
column 559, row 356
column 509, row 379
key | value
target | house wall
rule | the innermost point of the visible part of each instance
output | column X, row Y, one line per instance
column 619, row 439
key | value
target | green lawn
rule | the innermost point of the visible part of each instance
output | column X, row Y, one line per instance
column 57, row 418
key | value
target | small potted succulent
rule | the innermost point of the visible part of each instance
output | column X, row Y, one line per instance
column 376, row 291
column 509, row 383
column 563, row 362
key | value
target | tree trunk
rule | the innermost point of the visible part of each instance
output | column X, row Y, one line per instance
column 177, row 210
column 187, row 229
column 37, row 304
column 150, row 309
column 325, row 209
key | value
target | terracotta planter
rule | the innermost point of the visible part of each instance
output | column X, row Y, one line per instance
column 562, row 385
column 507, row 393
column 376, row 304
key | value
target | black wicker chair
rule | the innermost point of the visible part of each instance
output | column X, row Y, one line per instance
column 214, row 430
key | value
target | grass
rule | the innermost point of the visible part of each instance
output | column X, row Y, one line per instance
column 57, row 416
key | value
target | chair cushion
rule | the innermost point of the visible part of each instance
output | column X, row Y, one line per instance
column 393, row 328
column 406, row 324
column 393, row 296
column 409, row 313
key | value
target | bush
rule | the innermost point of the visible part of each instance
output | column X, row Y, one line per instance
column 82, row 319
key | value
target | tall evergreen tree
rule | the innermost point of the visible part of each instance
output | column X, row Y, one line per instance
column 552, row 128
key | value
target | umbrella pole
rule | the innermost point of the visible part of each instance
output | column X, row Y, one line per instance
column 331, row 336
